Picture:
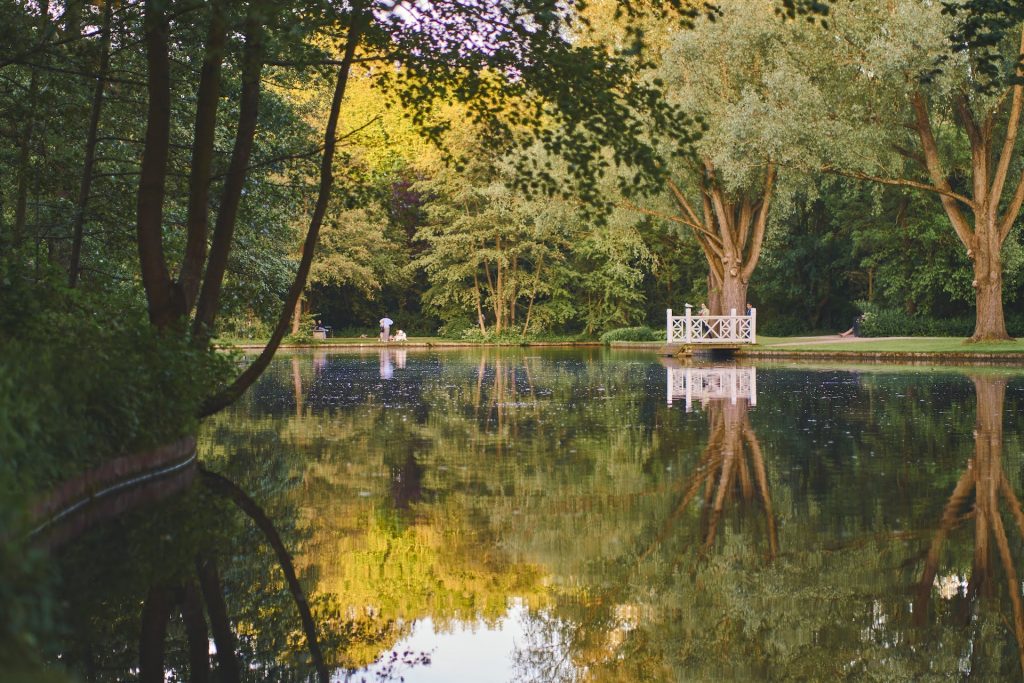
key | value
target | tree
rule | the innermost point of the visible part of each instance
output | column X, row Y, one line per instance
column 514, row 67
column 894, row 103
column 493, row 254
column 724, row 72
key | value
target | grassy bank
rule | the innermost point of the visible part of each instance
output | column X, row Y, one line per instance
column 895, row 348
column 895, row 345
column 411, row 342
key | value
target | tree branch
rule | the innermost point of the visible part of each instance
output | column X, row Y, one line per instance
column 626, row 204
column 1010, row 141
column 251, row 373
column 898, row 182
column 938, row 177
column 762, row 220
column 682, row 201
column 1012, row 210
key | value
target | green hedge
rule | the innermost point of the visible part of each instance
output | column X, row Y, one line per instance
column 639, row 334
column 897, row 323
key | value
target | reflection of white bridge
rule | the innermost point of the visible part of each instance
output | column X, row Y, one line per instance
column 704, row 384
column 711, row 329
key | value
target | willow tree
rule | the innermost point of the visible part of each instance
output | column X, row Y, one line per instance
column 724, row 72
column 895, row 96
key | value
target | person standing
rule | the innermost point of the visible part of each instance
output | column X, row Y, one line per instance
column 385, row 328
column 702, row 325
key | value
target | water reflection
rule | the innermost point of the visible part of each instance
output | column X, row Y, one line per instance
column 197, row 587
column 706, row 383
column 389, row 360
column 550, row 510
column 977, row 501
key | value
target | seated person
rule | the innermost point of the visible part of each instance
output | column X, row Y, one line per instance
column 400, row 336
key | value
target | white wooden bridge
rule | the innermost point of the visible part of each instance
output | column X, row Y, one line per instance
column 704, row 384
column 721, row 330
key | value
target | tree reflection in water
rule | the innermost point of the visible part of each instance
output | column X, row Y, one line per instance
column 630, row 630
column 181, row 574
column 642, row 543
column 981, row 493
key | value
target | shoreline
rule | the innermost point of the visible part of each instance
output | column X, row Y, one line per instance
column 889, row 356
column 788, row 350
column 412, row 345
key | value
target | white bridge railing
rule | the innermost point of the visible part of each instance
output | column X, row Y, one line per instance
column 711, row 329
column 704, row 384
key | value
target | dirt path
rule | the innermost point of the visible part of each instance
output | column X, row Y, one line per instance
column 833, row 338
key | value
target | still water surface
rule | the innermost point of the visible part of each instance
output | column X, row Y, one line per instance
column 590, row 515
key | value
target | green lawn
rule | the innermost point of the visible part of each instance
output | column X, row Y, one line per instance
column 943, row 345
column 411, row 341
column 931, row 345
column 338, row 341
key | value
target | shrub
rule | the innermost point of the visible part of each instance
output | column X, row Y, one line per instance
column 510, row 335
column 83, row 377
column 782, row 326
column 114, row 386
column 639, row 334
column 896, row 323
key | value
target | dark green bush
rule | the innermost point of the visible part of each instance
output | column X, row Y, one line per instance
column 896, row 323
column 640, row 334
column 782, row 326
column 85, row 377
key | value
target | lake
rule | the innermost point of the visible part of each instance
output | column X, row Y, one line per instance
column 586, row 514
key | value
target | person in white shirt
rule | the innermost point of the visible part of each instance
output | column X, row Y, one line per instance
column 385, row 328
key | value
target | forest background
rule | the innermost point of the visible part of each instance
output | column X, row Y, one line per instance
column 434, row 227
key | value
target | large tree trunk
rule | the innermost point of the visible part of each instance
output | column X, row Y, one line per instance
column 988, row 299
column 714, row 291
column 730, row 231
column 734, row 295
column 231, row 194
column 990, row 167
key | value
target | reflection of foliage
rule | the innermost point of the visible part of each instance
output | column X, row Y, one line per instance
column 470, row 479
column 156, row 559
